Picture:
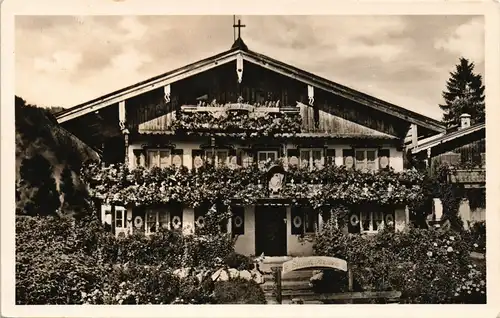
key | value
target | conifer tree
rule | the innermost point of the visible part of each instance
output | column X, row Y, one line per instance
column 464, row 94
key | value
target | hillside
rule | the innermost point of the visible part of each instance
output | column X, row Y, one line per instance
column 42, row 144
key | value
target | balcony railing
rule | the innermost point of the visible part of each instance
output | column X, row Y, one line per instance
column 238, row 118
column 470, row 177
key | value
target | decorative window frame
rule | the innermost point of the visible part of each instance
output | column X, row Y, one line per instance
column 216, row 152
column 147, row 228
column 365, row 161
column 159, row 151
column 307, row 212
column 311, row 163
column 267, row 152
column 122, row 212
column 157, row 218
column 374, row 215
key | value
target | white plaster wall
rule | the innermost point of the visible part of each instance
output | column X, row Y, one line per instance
column 478, row 215
column 245, row 244
column 464, row 212
column 106, row 218
column 296, row 246
column 401, row 218
column 188, row 221
column 396, row 159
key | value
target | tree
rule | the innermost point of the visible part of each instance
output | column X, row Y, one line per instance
column 37, row 188
column 465, row 94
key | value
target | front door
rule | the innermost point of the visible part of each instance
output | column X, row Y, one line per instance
column 270, row 231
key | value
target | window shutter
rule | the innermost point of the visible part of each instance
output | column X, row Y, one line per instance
column 199, row 217
column 177, row 155
column 348, row 155
column 138, row 218
column 238, row 221
column 389, row 218
column 197, row 157
column 239, row 160
column 383, row 157
column 293, row 157
column 297, row 221
column 176, row 217
column 354, row 222
column 330, row 157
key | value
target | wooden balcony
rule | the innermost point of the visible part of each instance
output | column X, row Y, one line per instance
column 470, row 178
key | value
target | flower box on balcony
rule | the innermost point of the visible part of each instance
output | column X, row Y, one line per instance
column 468, row 176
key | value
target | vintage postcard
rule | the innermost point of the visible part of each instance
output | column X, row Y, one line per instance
column 306, row 157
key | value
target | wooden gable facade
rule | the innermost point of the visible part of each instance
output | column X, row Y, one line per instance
column 237, row 108
column 328, row 111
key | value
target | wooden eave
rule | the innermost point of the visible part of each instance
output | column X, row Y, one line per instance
column 263, row 61
column 446, row 138
column 147, row 85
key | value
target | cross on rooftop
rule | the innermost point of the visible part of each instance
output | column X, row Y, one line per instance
column 239, row 26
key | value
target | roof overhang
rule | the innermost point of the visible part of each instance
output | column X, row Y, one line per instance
column 442, row 139
column 263, row 61
column 146, row 86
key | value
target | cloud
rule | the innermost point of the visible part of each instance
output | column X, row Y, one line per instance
column 467, row 40
column 129, row 61
column 60, row 61
column 402, row 59
column 135, row 29
column 385, row 52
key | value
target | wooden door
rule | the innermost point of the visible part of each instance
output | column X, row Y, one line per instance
column 270, row 231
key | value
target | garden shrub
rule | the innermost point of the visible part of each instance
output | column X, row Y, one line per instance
column 50, row 267
column 427, row 266
column 238, row 261
column 238, row 291
column 476, row 235
column 60, row 260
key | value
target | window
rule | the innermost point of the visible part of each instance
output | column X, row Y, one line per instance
column 304, row 220
column 155, row 220
column 119, row 218
column 264, row 156
column 311, row 220
column 151, row 221
column 158, row 158
column 220, row 157
column 371, row 221
column 312, row 158
column 366, row 160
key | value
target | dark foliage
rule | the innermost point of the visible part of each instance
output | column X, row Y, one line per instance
column 238, row 291
column 37, row 187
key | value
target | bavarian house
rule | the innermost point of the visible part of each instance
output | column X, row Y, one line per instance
column 273, row 145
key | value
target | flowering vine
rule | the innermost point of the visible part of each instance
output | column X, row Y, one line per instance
column 238, row 122
column 246, row 185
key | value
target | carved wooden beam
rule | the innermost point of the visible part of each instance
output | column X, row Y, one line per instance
column 239, row 67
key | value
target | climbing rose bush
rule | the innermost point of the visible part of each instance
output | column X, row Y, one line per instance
column 427, row 266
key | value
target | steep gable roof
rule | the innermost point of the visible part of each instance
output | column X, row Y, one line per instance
column 240, row 48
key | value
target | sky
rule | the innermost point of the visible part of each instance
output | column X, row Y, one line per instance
column 406, row 60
